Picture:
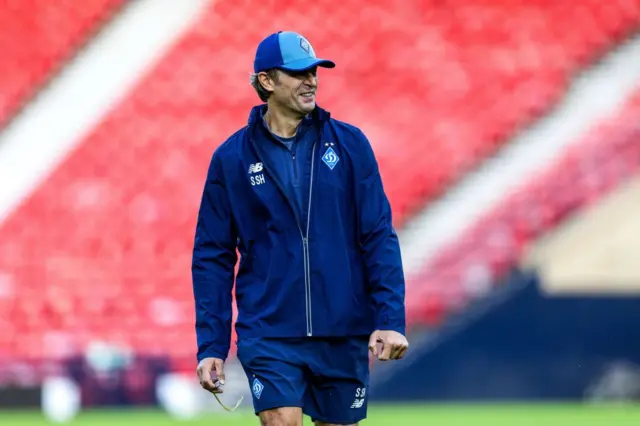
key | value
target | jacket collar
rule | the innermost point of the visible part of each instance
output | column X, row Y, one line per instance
column 318, row 115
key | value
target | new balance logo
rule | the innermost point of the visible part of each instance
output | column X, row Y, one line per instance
column 258, row 179
column 255, row 168
column 359, row 401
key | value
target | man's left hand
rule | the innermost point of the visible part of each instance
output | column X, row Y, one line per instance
column 394, row 345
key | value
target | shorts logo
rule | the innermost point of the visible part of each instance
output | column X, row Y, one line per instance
column 359, row 401
column 257, row 388
column 330, row 158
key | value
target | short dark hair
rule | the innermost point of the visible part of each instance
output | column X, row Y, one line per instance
column 259, row 88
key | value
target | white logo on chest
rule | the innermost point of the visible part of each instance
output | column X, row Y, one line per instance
column 255, row 168
column 257, row 179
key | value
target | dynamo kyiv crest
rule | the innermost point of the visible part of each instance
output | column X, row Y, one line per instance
column 330, row 158
column 257, row 388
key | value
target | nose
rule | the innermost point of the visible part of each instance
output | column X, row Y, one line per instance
column 310, row 78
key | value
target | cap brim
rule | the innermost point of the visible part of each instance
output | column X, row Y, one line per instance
column 307, row 63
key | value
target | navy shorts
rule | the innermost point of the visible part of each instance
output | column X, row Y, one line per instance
column 327, row 377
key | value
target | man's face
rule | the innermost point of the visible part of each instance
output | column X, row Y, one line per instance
column 296, row 91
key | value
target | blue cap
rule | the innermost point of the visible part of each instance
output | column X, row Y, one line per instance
column 288, row 51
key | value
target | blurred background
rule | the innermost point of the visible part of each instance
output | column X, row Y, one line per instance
column 508, row 136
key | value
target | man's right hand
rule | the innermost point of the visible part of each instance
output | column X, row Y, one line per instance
column 211, row 374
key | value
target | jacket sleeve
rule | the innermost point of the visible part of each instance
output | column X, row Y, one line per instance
column 379, row 243
column 212, row 268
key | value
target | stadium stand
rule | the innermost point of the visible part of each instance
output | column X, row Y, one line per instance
column 604, row 159
column 37, row 37
column 596, row 251
column 434, row 95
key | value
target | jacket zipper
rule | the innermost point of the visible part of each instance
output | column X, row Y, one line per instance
column 305, row 243
column 295, row 166
column 305, row 249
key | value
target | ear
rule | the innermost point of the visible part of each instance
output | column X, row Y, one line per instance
column 267, row 82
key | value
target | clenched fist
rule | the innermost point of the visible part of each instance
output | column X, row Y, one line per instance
column 393, row 344
column 211, row 374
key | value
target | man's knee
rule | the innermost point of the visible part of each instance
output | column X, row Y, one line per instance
column 283, row 416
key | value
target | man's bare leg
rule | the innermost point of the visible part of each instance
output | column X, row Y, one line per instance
column 283, row 416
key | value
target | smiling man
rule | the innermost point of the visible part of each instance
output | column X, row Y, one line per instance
column 320, row 281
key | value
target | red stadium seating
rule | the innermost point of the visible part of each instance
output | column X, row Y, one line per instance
column 598, row 163
column 37, row 37
column 101, row 250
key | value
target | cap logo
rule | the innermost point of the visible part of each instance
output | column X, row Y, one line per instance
column 304, row 44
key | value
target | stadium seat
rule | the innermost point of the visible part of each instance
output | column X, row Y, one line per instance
column 596, row 164
column 37, row 37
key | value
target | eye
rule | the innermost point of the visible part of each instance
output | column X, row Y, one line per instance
column 302, row 74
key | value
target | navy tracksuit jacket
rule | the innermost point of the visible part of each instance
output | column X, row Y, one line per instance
column 332, row 269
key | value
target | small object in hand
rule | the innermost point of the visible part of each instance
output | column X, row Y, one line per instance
column 227, row 408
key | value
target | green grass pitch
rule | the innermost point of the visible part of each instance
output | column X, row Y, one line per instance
column 405, row 415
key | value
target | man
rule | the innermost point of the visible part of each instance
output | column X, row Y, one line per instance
column 320, row 279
